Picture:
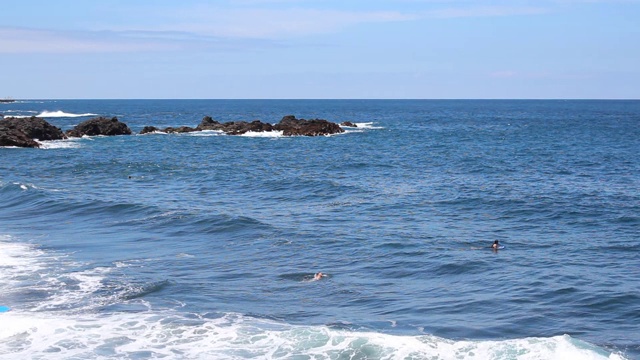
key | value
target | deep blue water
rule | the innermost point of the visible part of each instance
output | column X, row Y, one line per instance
column 203, row 245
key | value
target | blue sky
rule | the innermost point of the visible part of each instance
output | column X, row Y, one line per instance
column 426, row 49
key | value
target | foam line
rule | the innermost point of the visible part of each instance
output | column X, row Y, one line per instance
column 57, row 114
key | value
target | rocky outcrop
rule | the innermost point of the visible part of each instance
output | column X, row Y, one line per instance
column 22, row 131
column 208, row 123
column 290, row 126
column 348, row 124
column 34, row 128
column 100, row 126
column 180, row 129
column 234, row 127
column 13, row 137
column 148, row 130
column 242, row 127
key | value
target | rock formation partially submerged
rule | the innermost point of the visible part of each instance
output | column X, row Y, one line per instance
column 35, row 128
column 99, row 126
column 23, row 132
column 13, row 137
column 289, row 125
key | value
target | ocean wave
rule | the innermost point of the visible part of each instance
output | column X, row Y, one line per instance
column 58, row 114
column 19, row 196
column 264, row 134
column 79, row 314
column 15, row 259
column 203, row 133
column 19, row 111
column 234, row 336
column 55, row 144
column 75, row 290
column 367, row 125
column 49, row 114
column 18, row 114
column 360, row 127
column 60, row 144
column 35, row 280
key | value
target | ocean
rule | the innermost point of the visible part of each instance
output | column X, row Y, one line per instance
column 204, row 245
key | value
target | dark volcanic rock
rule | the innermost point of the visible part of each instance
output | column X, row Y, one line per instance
column 348, row 124
column 169, row 130
column 149, row 129
column 208, row 123
column 34, row 128
column 100, row 126
column 180, row 129
column 234, row 127
column 290, row 126
column 13, row 137
column 22, row 131
column 241, row 127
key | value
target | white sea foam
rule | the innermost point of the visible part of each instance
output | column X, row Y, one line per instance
column 232, row 336
column 59, row 113
column 60, row 144
column 52, row 331
column 16, row 258
column 75, row 289
column 18, row 111
column 29, row 186
column 263, row 134
column 25, row 268
column 53, row 144
column 360, row 127
column 367, row 125
column 158, row 132
column 206, row 133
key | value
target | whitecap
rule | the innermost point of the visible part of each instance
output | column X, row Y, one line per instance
column 60, row 144
column 205, row 133
column 59, row 113
column 263, row 134
column 368, row 125
column 18, row 111
column 168, row 334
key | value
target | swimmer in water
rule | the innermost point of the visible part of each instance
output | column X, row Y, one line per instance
column 318, row 276
column 496, row 245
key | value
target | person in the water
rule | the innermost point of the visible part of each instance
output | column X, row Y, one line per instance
column 496, row 245
column 318, row 276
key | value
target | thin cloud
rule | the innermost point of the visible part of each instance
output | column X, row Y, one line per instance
column 487, row 11
column 207, row 27
column 275, row 23
column 24, row 40
column 287, row 23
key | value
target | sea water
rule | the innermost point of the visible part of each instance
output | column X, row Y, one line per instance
column 204, row 245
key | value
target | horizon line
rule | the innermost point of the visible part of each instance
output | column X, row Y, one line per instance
column 13, row 100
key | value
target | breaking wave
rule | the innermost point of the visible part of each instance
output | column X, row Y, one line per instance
column 58, row 114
